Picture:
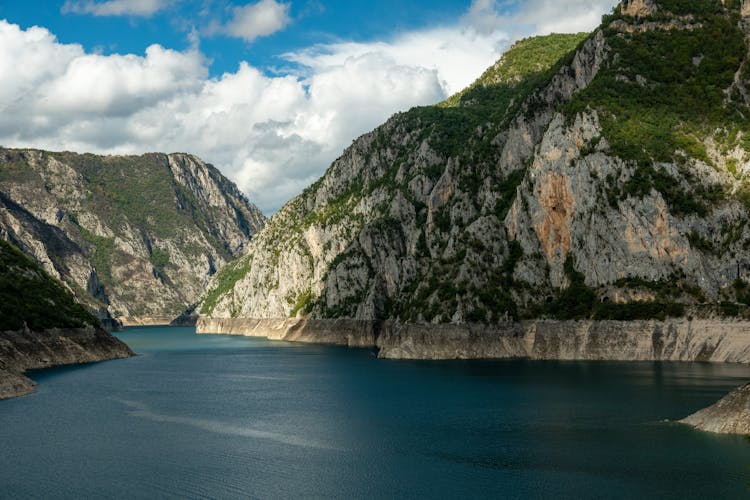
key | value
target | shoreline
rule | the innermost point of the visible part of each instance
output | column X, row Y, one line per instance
column 679, row 339
column 25, row 350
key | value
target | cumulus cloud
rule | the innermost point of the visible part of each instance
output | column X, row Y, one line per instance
column 456, row 56
column 536, row 16
column 273, row 135
column 143, row 8
column 258, row 19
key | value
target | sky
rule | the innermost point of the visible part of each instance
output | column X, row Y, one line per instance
column 268, row 91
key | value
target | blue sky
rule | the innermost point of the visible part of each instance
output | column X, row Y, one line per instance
column 312, row 22
column 269, row 91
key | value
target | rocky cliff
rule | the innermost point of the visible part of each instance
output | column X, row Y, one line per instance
column 731, row 415
column 601, row 176
column 41, row 325
column 136, row 238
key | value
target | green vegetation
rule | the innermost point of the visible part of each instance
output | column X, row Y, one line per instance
column 700, row 243
column 451, row 130
column 667, row 290
column 496, row 295
column 493, row 99
column 680, row 201
column 507, row 192
column 660, row 95
column 574, row 302
column 29, row 296
column 224, row 281
column 742, row 291
column 159, row 259
column 304, row 303
column 578, row 301
column 140, row 191
column 527, row 57
column 102, row 255
column 663, row 92
column 638, row 311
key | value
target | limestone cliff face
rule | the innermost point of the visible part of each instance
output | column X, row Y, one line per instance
column 608, row 185
column 132, row 237
column 731, row 415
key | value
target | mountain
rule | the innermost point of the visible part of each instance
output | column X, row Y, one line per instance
column 135, row 238
column 595, row 178
column 42, row 325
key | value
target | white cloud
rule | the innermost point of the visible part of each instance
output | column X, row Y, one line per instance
column 273, row 135
column 144, row 8
column 457, row 56
column 537, row 16
column 258, row 19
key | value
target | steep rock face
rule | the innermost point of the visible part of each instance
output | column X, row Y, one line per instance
column 41, row 325
column 608, row 184
column 380, row 221
column 132, row 237
column 731, row 415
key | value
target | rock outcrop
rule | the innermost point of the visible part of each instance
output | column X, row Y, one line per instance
column 731, row 415
column 133, row 237
column 638, row 8
column 41, row 325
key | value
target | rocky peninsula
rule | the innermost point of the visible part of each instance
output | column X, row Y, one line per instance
column 24, row 350
column 731, row 415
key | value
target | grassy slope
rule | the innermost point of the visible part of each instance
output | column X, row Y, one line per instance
column 526, row 57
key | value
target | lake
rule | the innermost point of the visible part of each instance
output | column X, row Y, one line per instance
column 198, row 416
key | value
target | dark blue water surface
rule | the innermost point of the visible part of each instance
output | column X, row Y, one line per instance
column 232, row 417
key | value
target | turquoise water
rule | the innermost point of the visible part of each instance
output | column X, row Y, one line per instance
column 232, row 417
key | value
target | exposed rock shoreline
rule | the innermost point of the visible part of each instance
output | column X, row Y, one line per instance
column 26, row 350
column 147, row 321
column 669, row 340
column 731, row 415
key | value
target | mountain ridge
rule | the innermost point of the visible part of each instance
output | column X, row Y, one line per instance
column 133, row 237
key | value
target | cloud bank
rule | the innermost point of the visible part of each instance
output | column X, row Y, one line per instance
column 272, row 135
